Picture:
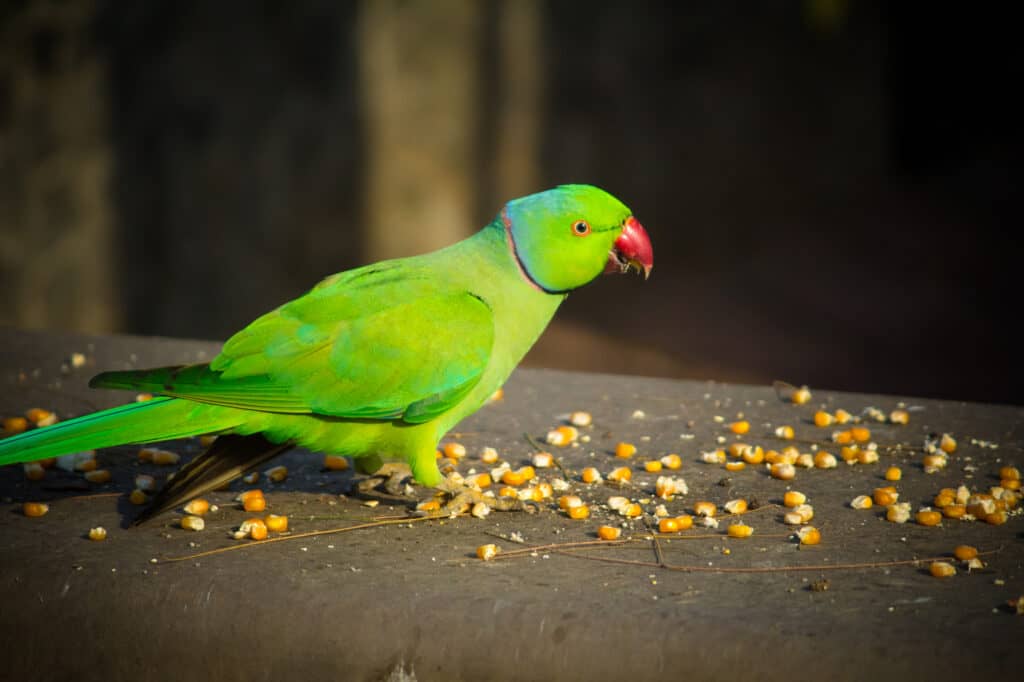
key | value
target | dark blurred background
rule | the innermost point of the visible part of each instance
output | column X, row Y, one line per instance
column 830, row 186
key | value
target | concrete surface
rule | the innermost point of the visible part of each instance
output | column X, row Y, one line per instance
column 413, row 600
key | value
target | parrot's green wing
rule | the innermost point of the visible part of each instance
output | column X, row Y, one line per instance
column 365, row 352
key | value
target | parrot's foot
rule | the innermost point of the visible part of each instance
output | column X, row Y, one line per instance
column 392, row 477
column 463, row 499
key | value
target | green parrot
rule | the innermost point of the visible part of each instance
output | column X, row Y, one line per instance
column 378, row 362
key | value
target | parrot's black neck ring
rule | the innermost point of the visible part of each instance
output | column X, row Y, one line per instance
column 510, row 238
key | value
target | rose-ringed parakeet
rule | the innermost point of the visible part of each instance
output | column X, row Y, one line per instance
column 376, row 362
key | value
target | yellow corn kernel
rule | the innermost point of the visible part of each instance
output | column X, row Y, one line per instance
column 497, row 395
column 783, row 471
column 861, row 502
column 823, row 418
column 192, row 522
column 617, row 502
column 965, row 552
column 335, row 463
column 581, row 419
column 428, row 506
column 673, row 461
column 861, row 434
column 867, row 456
column 805, row 460
column 849, row 453
column 842, row 437
column 35, row 508
column 705, row 508
column 578, row 512
column 609, row 532
column 801, row 396
column 785, row 432
column 843, row 417
column 713, row 456
column 947, row 443
column 276, row 474
column 137, row 497
column 86, row 465
column 793, row 498
column 252, row 528
column 13, row 425
column 928, row 517
column 738, row 506
column 481, row 480
column 996, row 518
column 668, row 525
column 41, row 417
column 954, row 511
column 740, row 427
column 625, row 450
column 652, row 466
column 1010, row 483
column 685, row 521
column 898, row 513
column 543, row 460
column 454, row 450
column 34, row 471
column 792, row 519
column 899, row 417
column 513, row 477
column 893, row 474
column 620, row 474
column 98, row 534
column 508, row 491
column 145, row 483
column 737, row 449
column 146, row 454
column 942, row 569
column 809, row 535
column 934, row 463
column 804, row 511
column 254, row 503
column 165, row 457
column 753, row 455
column 943, row 499
column 631, row 510
column 740, row 530
column 1009, row 473
column 197, row 507
column 591, row 475
column 568, row 501
column 276, row 523
column 885, row 496
column 489, row 455
column 249, row 494
column 528, row 472
column 667, row 486
column 97, row 476
column 735, row 466
column 825, row 460
column 487, row 552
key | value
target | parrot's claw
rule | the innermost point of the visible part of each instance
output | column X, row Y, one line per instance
column 392, row 477
column 462, row 499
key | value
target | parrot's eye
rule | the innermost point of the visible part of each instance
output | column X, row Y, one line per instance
column 581, row 228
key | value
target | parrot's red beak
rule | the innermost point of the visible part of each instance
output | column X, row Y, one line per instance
column 631, row 249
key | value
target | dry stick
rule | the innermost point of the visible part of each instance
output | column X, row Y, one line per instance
column 312, row 533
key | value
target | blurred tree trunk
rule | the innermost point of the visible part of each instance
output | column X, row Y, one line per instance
column 519, row 110
column 419, row 64
column 56, row 219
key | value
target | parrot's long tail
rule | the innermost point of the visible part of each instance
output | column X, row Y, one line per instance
column 153, row 420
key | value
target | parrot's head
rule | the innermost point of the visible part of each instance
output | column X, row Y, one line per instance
column 567, row 236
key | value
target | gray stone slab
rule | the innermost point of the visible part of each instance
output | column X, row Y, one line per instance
column 361, row 605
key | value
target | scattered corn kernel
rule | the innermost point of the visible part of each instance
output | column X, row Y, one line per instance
column 567, row 501
column 508, row 491
column 783, row 471
column 954, row 511
column 276, row 474
column 947, row 443
column 753, row 455
column 809, row 535
column 943, row 499
column 849, row 453
column 843, row 417
column 898, row 512
column 801, row 396
column 805, row 460
column 165, row 457
column 942, row 569
column 861, row 434
column 965, row 552
column 928, row 517
column 620, row 474
column 1009, row 473
column 41, row 417
column 652, row 466
column 713, row 456
column 893, row 474
column 899, row 417
column 867, row 456
column 579, row 512
column 480, row 510
column 792, row 518
column 98, row 534
column 487, row 552
column 625, row 450
column 13, row 425
column 996, row 518
column 1010, row 483
column 192, row 522
column 667, row 486
column 581, row 419
column 276, row 523
column 335, row 462
column 428, row 506
column 735, row 466
column 740, row 530
column 543, row 460
column 34, row 471
column 510, row 477
column 528, row 472
column 740, row 427
column 685, row 521
column 823, row 418
column 825, row 460
column 785, row 432
column 668, row 525
column 934, row 463
column 617, row 502
column 738, row 506
column 251, row 528
column 793, row 498
column 254, row 503
column 35, row 508
column 97, row 476
column 842, row 437
column 591, row 475
column 805, row 511
column 197, row 507
column 885, row 496
column 86, row 465
column 861, row 502
column 609, row 532
column 705, row 508
column 673, row 461
column 631, row 510
column 137, row 497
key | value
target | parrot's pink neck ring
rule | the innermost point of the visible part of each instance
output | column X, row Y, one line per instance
column 515, row 253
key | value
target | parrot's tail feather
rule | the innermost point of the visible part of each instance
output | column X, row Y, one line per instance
column 144, row 422
column 227, row 458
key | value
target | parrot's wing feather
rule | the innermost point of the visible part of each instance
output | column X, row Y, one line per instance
column 412, row 360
